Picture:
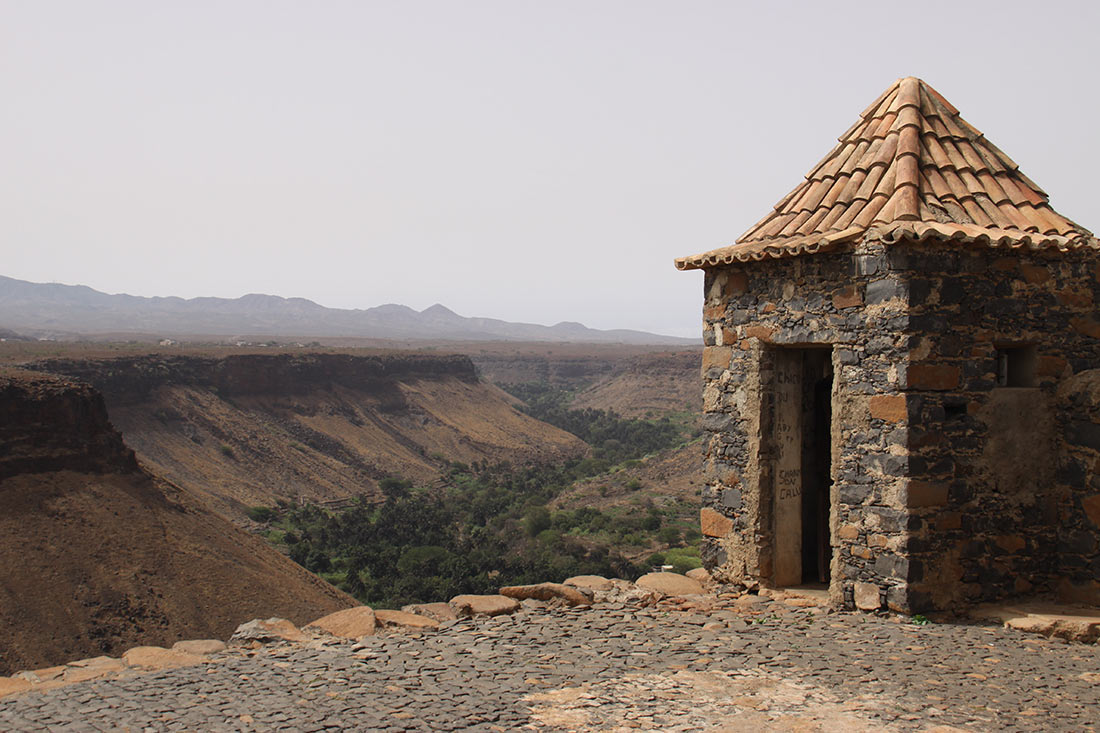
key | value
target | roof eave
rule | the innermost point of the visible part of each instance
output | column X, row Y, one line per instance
column 893, row 233
column 916, row 231
column 766, row 249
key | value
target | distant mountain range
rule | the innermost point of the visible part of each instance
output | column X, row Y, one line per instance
column 54, row 310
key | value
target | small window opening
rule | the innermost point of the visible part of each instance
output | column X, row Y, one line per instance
column 1016, row 366
column 954, row 411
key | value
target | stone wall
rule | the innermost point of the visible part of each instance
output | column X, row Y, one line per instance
column 1078, row 403
column 948, row 489
column 995, row 488
column 854, row 303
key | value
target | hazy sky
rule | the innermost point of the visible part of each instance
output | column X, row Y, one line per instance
column 533, row 161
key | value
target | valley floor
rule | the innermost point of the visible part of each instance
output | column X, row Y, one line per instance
column 720, row 664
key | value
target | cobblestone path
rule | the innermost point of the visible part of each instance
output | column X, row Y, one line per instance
column 611, row 667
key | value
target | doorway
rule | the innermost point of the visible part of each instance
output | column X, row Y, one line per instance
column 802, row 439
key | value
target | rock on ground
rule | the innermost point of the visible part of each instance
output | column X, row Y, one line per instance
column 1058, row 621
column 590, row 582
column 157, row 657
column 12, row 685
column 199, row 646
column 670, row 584
column 387, row 618
column 473, row 605
column 351, row 623
column 701, row 576
column 441, row 612
column 549, row 592
column 267, row 630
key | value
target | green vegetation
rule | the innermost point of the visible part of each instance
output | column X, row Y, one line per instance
column 613, row 438
column 485, row 526
column 261, row 514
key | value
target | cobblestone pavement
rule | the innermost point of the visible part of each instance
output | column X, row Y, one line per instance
column 611, row 667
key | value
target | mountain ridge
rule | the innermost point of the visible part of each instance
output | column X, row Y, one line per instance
column 54, row 309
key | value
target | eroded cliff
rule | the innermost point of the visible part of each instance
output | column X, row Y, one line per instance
column 99, row 555
column 252, row 429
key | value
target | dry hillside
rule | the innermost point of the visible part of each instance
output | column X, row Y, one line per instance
column 631, row 381
column 649, row 386
column 99, row 555
column 669, row 478
column 248, row 430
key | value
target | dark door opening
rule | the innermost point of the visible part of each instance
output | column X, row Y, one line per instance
column 816, row 467
column 801, row 423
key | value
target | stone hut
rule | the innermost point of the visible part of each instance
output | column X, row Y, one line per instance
column 897, row 377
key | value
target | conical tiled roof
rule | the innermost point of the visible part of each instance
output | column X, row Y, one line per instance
column 910, row 167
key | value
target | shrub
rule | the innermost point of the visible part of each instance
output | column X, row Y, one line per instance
column 549, row 537
column 683, row 559
column 536, row 520
column 261, row 514
column 394, row 488
column 227, row 451
column 669, row 535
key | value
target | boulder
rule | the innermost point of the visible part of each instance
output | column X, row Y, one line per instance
column 199, row 646
column 95, row 662
column 92, row 668
column 626, row 592
column 621, row 591
column 702, row 575
column 83, row 674
column 549, row 592
column 264, row 631
column 441, row 612
column 403, row 619
column 43, row 675
column 157, row 657
column 670, row 584
column 1072, row 623
column 351, row 623
column 590, row 582
column 12, row 685
column 471, row 605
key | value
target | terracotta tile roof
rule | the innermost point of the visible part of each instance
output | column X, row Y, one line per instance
column 910, row 167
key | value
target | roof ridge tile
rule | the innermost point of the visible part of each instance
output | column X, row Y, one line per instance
column 892, row 89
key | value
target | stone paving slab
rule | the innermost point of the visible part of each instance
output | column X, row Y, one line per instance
column 611, row 667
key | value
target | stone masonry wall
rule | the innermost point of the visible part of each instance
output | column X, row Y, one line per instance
column 855, row 303
column 947, row 488
column 995, row 489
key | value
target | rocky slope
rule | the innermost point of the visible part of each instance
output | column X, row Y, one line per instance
column 634, row 382
column 252, row 429
column 648, row 386
column 99, row 555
